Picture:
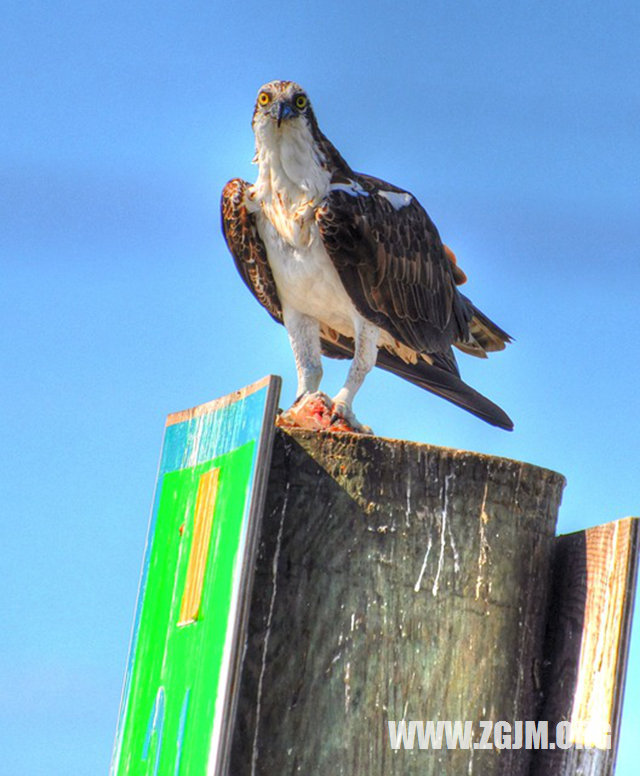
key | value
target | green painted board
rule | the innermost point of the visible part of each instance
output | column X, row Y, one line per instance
column 178, row 703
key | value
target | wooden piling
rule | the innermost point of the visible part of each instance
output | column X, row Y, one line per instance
column 588, row 633
column 395, row 581
column 412, row 612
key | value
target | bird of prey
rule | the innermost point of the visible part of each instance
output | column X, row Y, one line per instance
column 352, row 266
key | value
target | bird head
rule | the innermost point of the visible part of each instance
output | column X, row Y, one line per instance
column 286, row 129
column 281, row 104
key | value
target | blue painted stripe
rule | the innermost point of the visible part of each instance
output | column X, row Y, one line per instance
column 207, row 436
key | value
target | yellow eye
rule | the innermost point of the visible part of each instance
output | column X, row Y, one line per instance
column 301, row 102
column 264, row 98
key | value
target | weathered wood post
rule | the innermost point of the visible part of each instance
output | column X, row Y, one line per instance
column 587, row 642
column 395, row 581
column 369, row 607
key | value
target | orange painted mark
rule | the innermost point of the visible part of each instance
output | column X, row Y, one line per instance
column 202, row 524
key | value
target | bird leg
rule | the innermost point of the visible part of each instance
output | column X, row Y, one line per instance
column 304, row 336
column 312, row 408
column 364, row 359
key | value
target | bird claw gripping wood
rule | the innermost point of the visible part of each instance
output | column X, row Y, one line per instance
column 317, row 412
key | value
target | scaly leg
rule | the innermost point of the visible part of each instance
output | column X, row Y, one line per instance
column 364, row 359
column 311, row 409
column 304, row 336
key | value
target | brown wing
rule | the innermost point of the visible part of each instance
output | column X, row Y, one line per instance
column 393, row 263
column 246, row 246
column 439, row 374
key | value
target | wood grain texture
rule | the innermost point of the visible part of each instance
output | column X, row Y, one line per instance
column 593, row 591
column 394, row 581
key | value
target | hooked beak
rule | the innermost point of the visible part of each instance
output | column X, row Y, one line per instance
column 282, row 110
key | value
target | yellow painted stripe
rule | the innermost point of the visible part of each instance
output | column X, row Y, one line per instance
column 203, row 522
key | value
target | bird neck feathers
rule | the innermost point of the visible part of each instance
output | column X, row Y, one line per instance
column 291, row 163
column 293, row 178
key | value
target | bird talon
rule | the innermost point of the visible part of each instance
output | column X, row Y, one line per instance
column 309, row 411
column 343, row 419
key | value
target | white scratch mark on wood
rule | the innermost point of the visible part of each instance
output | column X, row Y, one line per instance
column 408, row 505
column 454, row 549
column 263, row 667
column 483, row 555
column 347, row 687
column 443, row 527
column 416, row 587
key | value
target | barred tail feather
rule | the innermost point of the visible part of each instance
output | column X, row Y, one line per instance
column 485, row 336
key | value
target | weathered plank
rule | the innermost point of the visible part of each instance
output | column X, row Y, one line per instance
column 594, row 584
column 394, row 581
column 178, row 701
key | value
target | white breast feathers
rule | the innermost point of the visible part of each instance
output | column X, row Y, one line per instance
column 292, row 180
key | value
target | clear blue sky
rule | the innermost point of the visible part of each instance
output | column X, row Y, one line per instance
column 515, row 124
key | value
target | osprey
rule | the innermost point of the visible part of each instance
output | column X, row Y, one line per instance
column 352, row 266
